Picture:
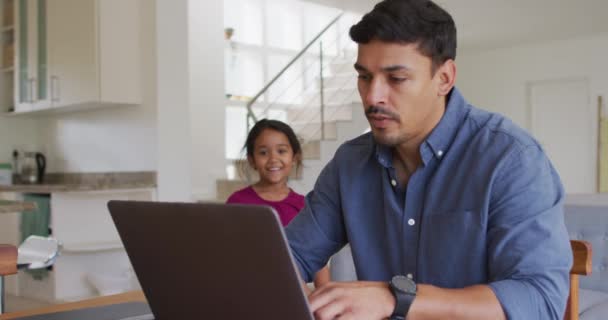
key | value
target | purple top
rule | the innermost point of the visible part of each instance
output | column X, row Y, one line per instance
column 287, row 208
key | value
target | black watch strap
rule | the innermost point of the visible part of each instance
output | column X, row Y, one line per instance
column 404, row 296
column 402, row 305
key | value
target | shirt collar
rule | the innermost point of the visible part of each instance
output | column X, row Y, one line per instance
column 384, row 154
column 440, row 139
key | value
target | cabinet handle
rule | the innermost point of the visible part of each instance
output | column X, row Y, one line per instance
column 55, row 92
column 30, row 90
column 34, row 91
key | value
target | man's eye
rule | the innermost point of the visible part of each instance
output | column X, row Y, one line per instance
column 397, row 79
column 363, row 77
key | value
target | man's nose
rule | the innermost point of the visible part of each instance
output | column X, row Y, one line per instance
column 376, row 93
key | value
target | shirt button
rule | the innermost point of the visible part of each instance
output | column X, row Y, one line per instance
column 409, row 275
column 394, row 183
column 411, row 222
column 440, row 153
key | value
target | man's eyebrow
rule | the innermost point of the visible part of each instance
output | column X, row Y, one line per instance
column 359, row 67
column 392, row 68
column 395, row 68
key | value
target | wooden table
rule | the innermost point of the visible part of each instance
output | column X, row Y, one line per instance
column 133, row 296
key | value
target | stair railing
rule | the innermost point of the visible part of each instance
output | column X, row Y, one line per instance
column 251, row 115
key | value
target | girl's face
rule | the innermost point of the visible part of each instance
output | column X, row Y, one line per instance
column 273, row 157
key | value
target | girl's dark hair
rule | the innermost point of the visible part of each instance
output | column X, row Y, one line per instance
column 419, row 22
column 275, row 125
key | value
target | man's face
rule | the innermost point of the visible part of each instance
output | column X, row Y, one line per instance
column 403, row 101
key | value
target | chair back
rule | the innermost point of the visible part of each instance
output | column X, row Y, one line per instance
column 8, row 259
column 581, row 265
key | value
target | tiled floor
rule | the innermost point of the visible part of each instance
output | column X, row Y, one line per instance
column 14, row 303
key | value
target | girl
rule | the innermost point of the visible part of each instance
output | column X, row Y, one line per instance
column 272, row 150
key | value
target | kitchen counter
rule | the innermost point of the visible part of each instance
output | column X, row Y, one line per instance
column 73, row 182
column 7, row 206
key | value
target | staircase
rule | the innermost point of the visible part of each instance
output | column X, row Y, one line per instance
column 329, row 113
column 344, row 120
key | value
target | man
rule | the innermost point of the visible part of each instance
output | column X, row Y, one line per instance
column 451, row 212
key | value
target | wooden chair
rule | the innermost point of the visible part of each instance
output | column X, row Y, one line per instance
column 581, row 252
column 8, row 266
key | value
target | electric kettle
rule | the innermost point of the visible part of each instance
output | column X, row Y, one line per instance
column 33, row 166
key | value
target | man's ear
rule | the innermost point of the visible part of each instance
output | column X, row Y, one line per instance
column 446, row 75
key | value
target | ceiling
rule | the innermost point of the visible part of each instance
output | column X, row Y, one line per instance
column 489, row 24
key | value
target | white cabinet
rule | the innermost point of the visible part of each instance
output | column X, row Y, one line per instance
column 31, row 73
column 94, row 52
column 75, row 54
column 91, row 245
column 7, row 54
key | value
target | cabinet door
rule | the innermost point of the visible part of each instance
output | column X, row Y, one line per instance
column 82, row 222
column 23, row 89
column 72, row 51
column 32, row 76
column 40, row 67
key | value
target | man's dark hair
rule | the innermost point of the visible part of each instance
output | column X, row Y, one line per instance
column 419, row 22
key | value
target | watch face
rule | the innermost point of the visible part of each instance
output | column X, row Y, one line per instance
column 404, row 284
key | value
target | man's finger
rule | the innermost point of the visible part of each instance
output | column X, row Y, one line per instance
column 331, row 311
column 324, row 296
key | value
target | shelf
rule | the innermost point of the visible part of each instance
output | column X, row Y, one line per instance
column 9, row 69
column 7, row 28
column 49, row 111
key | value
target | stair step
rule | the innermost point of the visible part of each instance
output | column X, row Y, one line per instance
column 331, row 112
column 311, row 150
column 338, row 81
column 331, row 96
column 243, row 171
column 227, row 187
column 312, row 131
column 342, row 66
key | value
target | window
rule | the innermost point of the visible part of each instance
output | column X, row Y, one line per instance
column 246, row 18
column 267, row 35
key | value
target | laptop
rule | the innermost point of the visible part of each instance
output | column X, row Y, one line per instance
column 210, row 261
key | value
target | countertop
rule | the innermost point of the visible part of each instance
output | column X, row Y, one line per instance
column 50, row 188
column 7, row 206
column 70, row 182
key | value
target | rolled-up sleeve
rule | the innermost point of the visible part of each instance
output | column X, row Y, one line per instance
column 529, row 250
column 317, row 232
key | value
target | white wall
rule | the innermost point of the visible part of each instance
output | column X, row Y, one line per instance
column 115, row 139
column 191, row 99
column 174, row 152
column 207, row 95
column 497, row 80
column 16, row 133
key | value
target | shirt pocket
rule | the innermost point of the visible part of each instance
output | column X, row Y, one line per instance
column 453, row 248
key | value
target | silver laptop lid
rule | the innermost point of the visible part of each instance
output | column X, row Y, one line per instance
column 211, row 261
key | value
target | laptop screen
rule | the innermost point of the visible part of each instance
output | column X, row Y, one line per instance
column 211, row 261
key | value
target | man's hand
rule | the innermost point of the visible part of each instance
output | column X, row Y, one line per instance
column 352, row 300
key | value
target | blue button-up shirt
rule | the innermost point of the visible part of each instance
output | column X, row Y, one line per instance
column 485, row 207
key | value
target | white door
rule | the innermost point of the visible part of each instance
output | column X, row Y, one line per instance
column 564, row 121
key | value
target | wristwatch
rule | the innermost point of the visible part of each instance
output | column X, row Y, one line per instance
column 404, row 290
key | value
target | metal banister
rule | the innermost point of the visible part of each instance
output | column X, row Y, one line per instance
column 250, row 114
